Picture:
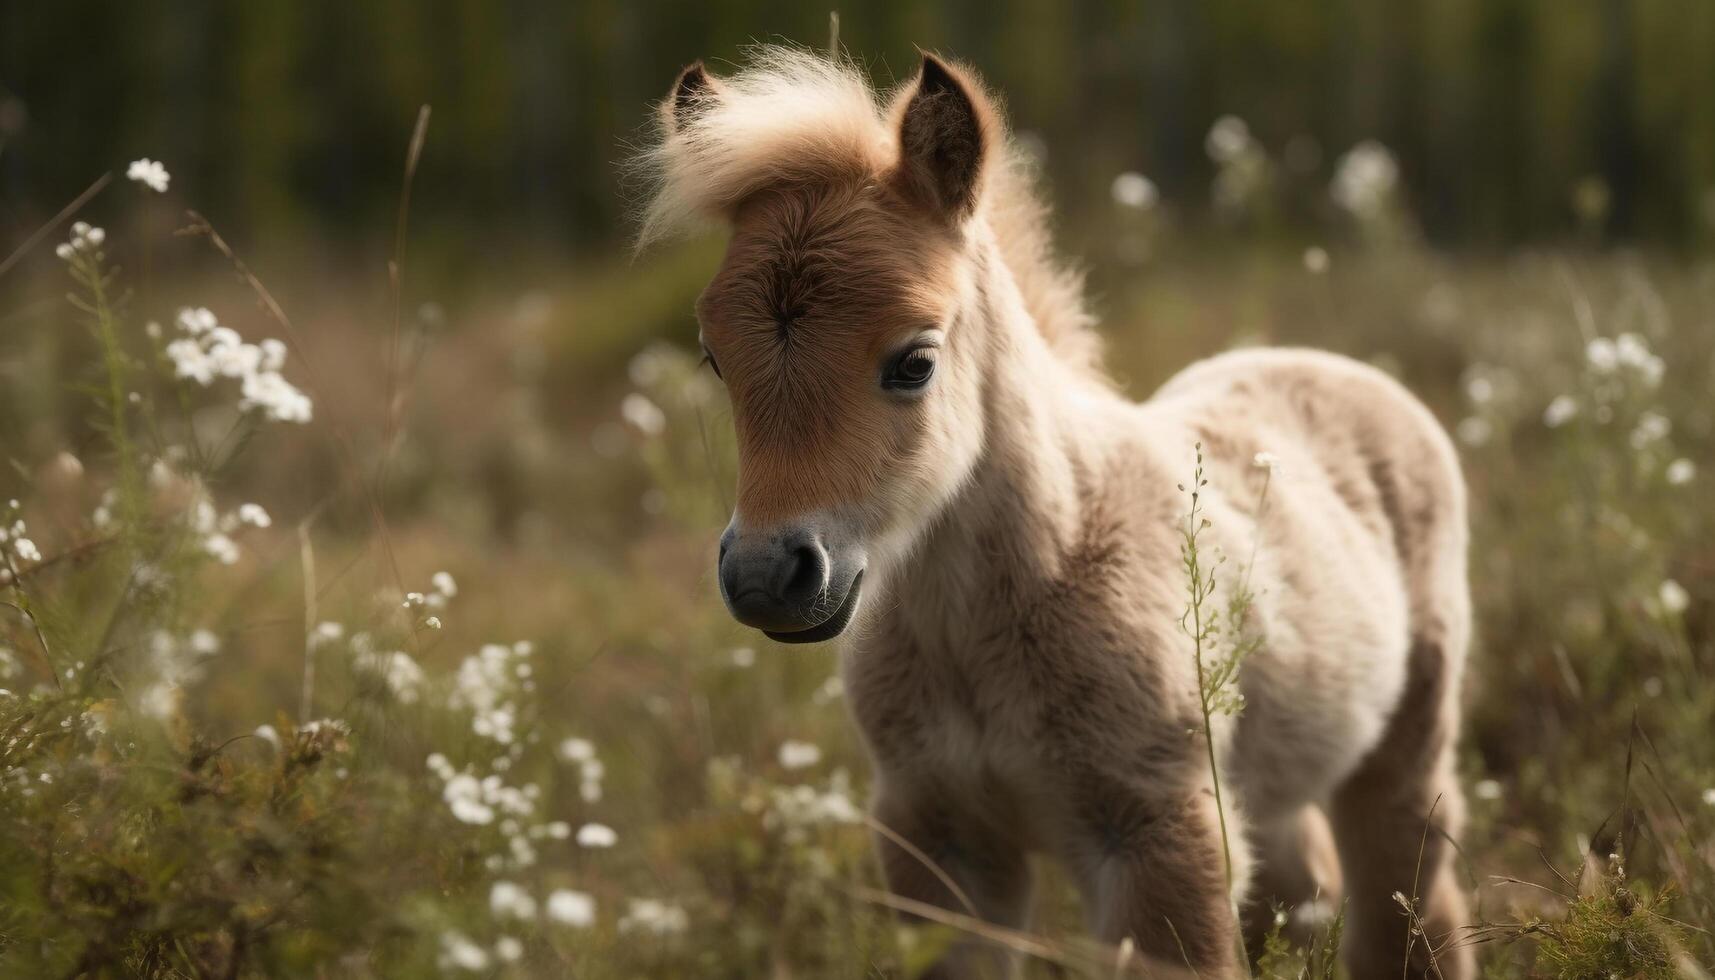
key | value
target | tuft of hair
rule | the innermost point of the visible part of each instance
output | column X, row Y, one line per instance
column 794, row 115
column 788, row 115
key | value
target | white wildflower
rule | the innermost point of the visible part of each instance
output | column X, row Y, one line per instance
column 397, row 669
column 508, row 949
column 596, row 835
column 1133, row 190
column 1601, row 354
column 204, row 642
column 1228, row 140
column 443, row 583
column 799, row 755
column 572, row 908
column 432, row 623
column 254, row 515
column 1316, row 260
column 643, row 414
column 269, row 734
column 1559, row 411
column 507, row 899
column 1709, row 796
column 149, row 173
column 459, row 952
column 654, row 916
column 1268, row 461
column 1365, row 179
column 326, row 632
column 1680, row 472
column 577, row 749
column 1652, row 427
column 743, row 657
column 1487, row 789
column 1674, row 598
column 26, row 549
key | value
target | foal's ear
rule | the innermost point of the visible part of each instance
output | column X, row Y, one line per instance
column 945, row 129
column 694, row 89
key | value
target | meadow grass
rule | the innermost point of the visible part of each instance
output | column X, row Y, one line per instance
column 272, row 740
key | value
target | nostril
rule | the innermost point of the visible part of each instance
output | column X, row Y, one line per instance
column 807, row 573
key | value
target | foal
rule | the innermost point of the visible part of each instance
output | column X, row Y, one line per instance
column 931, row 463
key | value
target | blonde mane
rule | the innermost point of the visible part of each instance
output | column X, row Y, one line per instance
column 793, row 115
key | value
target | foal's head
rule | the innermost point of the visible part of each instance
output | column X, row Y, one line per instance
column 841, row 319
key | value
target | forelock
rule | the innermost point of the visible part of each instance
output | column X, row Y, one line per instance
column 790, row 115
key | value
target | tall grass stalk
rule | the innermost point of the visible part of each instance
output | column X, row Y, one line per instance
column 1217, row 676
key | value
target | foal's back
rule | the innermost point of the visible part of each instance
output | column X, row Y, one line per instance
column 1363, row 607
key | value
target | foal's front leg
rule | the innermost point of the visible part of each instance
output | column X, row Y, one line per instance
column 991, row 871
column 1152, row 869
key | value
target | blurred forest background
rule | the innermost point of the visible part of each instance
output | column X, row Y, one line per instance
column 289, row 118
column 230, row 630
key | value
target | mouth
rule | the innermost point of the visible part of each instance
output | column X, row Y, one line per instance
column 828, row 628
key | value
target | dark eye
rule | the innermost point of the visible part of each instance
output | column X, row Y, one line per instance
column 709, row 359
column 911, row 370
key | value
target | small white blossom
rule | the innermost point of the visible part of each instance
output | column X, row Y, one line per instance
column 743, row 657
column 150, row 173
column 1652, row 427
column 655, row 916
column 1487, row 789
column 508, row 949
column 1674, row 598
column 572, row 908
column 1228, row 140
column 507, row 899
column 1559, row 411
column 1680, row 472
column 1268, row 461
column 1316, row 260
column 1365, row 179
column 596, row 835
column 1709, row 796
column 269, row 734
column 26, row 549
column 254, row 515
column 443, row 583
column 1134, row 190
column 577, row 749
column 643, row 413
column 459, row 952
column 799, row 755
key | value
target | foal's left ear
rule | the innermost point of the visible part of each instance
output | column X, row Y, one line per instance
column 694, row 90
column 945, row 130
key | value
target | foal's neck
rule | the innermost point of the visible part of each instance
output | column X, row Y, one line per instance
column 1025, row 507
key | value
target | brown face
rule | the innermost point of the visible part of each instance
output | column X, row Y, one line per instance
column 844, row 323
column 831, row 322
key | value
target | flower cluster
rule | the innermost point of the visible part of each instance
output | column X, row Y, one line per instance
column 590, row 769
column 487, row 684
column 15, row 544
column 396, row 669
column 207, row 351
column 149, row 173
column 85, row 240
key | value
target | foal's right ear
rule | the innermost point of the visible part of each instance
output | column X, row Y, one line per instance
column 694, row 89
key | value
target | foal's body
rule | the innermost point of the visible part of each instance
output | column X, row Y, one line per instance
column 928, row 457
column 1025, row 686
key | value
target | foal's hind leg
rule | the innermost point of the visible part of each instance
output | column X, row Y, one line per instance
column 1394, row 820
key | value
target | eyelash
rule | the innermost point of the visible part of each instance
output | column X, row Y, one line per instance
column 709, row 359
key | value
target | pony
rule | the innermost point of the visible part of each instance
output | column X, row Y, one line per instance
column 932, row 466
